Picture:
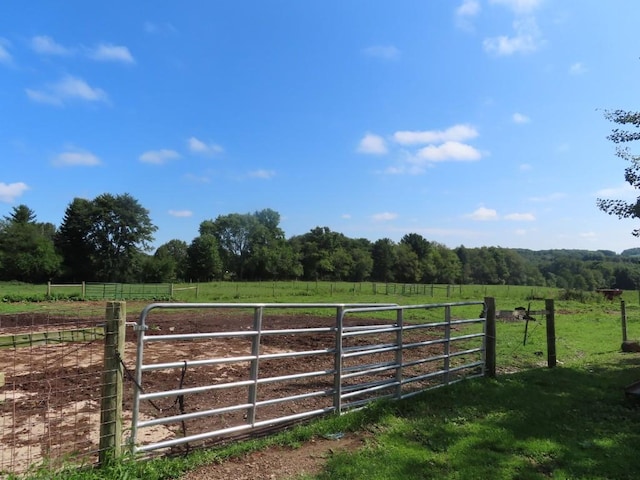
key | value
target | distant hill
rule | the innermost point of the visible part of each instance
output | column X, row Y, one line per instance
column 631, row 252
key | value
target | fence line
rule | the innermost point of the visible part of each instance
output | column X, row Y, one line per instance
column 51, row 286
column 61, row 377
column 222, row 291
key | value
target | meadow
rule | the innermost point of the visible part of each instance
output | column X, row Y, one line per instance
column 531, row 422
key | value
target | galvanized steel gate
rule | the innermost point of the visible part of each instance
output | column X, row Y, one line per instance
column 369, row 352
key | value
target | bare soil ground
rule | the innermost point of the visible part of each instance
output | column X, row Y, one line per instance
column 51, row 397
column 279, row 463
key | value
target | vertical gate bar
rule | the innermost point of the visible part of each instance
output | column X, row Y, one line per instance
column 447, row 343
column 337, row 378
column 399, row 351
column 141, row 328
column 255, row 352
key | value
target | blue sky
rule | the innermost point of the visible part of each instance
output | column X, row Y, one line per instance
column 475, row 122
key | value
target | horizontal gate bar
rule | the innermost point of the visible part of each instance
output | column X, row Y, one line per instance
column 225, row 431
column 223, row 360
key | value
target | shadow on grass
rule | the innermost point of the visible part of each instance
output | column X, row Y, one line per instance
column 562, row 422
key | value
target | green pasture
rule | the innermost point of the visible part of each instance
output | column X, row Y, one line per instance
column 298, row 291
column 531, row 422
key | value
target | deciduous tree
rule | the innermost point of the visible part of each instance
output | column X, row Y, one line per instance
column 105, row 234
column 27, row 252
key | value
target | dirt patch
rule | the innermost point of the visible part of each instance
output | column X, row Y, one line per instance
column 50, row 402
column 277, row 463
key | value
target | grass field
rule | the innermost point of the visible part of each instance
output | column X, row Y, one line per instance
column 531, row 422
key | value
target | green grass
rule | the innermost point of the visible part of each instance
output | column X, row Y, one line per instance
column 530, row 422
column 566, row 423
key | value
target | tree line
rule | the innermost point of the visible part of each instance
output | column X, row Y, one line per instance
column 108, row 239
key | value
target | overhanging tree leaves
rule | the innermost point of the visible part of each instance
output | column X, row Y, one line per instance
column 621, row 208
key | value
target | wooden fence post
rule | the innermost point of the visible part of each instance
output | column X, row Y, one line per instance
column 490, row 337
column 551, row 332
column 111, row 399
column 623, row 310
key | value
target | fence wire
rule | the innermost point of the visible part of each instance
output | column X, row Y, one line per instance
column 50, row 384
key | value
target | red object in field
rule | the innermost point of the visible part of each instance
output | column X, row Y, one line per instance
column 610, row 293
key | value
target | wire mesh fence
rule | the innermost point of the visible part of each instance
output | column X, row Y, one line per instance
column 50, row 382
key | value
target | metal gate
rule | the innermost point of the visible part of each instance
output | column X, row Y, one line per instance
column 269, row 365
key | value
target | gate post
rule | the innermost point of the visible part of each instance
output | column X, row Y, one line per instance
column 490, row 336
column 551, row 332
column 111, row 396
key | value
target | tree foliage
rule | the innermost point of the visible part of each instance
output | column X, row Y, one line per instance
column 105, row 239
column 27, row 251
column 203, row 259
column 100, row 239
column 252, row 245
column 622, row 208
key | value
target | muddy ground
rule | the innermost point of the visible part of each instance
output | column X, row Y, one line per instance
column 50, row 400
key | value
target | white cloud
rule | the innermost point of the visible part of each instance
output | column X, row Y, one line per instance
column 519, row 6
column 525, row 167
column 264, row 174
column 624, row 191
column 417, row 167
column 5, row 56
column 372, row 144
column 456, row 133
column 449, row 151
column 412, row 158
column 196, row 178
column 180, row 213
column 587, row 235
column 76, row 159
column 48, row 46
column 384, row 217
column 483, row 214
column 159, row 157
column 158, row 28
column 111, row 53
column 10, row 191
column 68, row 89
column 198, row 146
column 577, row 68
column 386, row 52
column 345, row 216
column 468, row 8
column 520, row 118
column 520, row 217
column 552, row 197
column 526, row 39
